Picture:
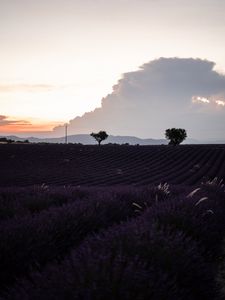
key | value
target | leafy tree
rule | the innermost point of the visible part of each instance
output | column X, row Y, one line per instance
column 175, row 135
column 100, row 136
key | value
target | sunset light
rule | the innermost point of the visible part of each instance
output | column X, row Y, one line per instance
column 200, row 99
column 220, row 102
column 61, row 60
column 212, row 100
column 11, row 125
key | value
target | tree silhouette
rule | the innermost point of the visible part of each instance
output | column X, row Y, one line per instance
column 100, row 136
column 5, row 140
column 175, row 135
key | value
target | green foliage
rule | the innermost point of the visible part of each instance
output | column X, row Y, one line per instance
column 100, row 136
column 175, row 135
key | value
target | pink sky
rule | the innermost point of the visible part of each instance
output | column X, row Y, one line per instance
column 59, row 58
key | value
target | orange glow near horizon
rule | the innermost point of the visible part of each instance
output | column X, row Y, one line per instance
column 25, row 126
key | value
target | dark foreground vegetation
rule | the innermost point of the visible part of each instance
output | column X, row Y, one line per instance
column 154, row 229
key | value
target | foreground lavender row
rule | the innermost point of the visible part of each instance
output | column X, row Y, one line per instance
column 23, row 165
column 153, row 242
column 112, row 222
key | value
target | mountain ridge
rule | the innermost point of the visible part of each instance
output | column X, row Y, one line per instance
column 86, row 139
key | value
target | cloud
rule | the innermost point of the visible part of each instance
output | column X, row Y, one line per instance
column 220, row 102
column 199, row 99
column 158, row 96
column 5, row 121
column 9, row 88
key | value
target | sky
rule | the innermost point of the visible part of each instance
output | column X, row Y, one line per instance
column 60, row 59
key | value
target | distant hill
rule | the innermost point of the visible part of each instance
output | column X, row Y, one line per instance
column 86, row 139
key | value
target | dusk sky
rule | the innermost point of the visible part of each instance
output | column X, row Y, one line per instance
column 63, row 58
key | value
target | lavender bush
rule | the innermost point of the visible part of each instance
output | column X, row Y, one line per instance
column 169, row 249
column 32, row 241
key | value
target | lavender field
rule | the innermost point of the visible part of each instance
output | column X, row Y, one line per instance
column 24, row 165
column 112, row 222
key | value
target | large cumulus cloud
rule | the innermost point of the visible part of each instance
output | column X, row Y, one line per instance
column 163, row 93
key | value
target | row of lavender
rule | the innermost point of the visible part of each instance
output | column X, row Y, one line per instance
column 40, row 224
column 24, row 165
column 158, row 242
